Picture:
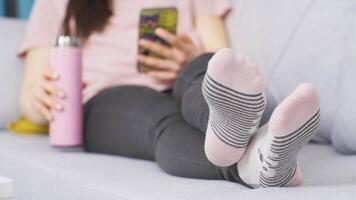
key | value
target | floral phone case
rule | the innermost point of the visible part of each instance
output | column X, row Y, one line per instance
column 150, row 20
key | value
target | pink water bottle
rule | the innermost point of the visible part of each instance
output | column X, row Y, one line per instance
column 66, row 127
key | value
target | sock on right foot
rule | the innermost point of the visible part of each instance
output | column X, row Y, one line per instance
column 270, row 160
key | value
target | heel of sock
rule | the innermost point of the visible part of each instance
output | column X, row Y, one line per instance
column 297, row 179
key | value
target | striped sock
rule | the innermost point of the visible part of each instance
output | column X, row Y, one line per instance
column 233, row 89
column 274, row 150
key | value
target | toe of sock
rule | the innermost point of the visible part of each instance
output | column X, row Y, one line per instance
column 236, row 72
column 308, row 93
column 221, row 61
column 296, row 109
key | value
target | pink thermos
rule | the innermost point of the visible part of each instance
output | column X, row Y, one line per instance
column 66, row 127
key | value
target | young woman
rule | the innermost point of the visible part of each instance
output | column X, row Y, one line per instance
column 194, row 120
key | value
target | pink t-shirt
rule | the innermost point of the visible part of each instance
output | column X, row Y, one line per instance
column 109, row 58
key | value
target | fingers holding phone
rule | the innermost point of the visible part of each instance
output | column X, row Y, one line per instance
column 180, row 48
column 186, row 49
column 162, row 52
column 169, row 59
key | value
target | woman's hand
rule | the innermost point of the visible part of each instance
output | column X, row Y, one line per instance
column 172, row 58
column 43, row 94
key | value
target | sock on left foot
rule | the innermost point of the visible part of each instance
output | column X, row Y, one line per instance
column 233, row 89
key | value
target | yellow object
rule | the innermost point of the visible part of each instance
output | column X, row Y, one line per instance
column 23, row 126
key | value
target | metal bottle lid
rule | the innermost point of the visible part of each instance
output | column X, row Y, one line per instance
column 67, row 41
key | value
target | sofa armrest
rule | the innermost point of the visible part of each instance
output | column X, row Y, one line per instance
column 11, row 32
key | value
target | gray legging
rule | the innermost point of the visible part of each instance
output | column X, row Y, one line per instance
column 168, row 127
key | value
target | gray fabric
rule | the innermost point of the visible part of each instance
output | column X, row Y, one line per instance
column 42, row 173
column 10, row 69
column 305, row 40
column 139, row 122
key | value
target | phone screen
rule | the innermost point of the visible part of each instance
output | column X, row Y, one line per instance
column 150, row 20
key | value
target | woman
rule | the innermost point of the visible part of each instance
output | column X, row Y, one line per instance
column 193, row 121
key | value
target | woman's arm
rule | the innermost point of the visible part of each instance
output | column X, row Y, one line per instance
column 212, row 33
column 35, row 62
column 36, row 100
column 182, row 50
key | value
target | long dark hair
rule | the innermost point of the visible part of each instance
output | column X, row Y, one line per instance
column 87, row 16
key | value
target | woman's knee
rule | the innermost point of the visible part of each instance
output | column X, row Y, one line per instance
column 190, row 72
column 194, row 108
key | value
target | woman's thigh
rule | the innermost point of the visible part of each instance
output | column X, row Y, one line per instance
column 126, row 121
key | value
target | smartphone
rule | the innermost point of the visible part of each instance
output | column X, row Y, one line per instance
column 150, row 20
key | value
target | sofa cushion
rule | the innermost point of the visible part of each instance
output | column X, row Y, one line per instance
column 41, row 173
column 11, row 32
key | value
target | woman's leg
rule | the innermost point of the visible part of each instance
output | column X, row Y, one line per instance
column 187, row 91
column 139, row 122
column 123, row 121
column 233, row 90
column 230, row 93
column 194, row 107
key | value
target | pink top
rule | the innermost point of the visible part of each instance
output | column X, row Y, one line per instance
column 109, row 58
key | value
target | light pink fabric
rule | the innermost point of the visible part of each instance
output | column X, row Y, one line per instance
column 109, row 58
column 240, row 75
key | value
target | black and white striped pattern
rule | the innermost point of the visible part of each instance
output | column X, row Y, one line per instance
column 279, row 165
column 234, row 116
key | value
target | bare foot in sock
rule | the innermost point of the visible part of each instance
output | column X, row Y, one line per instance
column 270, row 160
column 233, row 89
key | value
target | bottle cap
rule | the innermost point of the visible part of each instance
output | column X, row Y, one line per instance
column 67, row 41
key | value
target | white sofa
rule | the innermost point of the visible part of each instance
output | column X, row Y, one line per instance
column 44, row 173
